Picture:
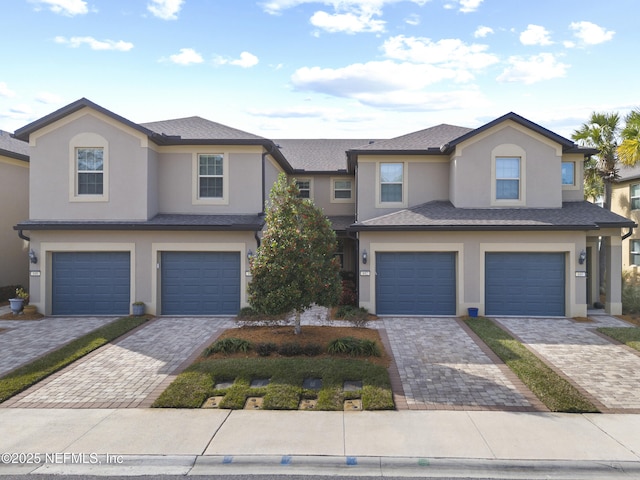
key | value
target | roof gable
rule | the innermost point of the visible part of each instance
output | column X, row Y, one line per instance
column 198, row 128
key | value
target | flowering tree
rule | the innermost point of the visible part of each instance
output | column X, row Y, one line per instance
column 295, row 265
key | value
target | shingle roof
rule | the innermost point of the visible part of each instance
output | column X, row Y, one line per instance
column 159, row 222
column 318, row 155
column 629, row 173
column 429, row 138
column 12, row 147
column 197, row 128
column 442, row 215
column 340, row 223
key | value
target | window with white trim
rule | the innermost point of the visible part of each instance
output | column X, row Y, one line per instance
column 342, row 190
column 634, row 196
column 304, row 186
column 507, row 178
column 391, row 182
column 89, row 171
column 568, row 173
column 210, row 176
column 635, row 252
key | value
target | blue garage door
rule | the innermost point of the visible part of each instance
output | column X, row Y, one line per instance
column 415, row 283
column 200, row 283
column 91, row 283
column 525, row 284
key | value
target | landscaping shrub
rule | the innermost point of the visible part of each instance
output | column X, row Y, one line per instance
column 354, row 347
column 348, row 295
column 630, row 298
column 264, row 349
column 227, row 346
column 357, row 316
column 312, row 349
column 290, row 349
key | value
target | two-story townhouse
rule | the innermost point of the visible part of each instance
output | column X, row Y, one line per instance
column 625, row 201
column 433, row 222
column 167, row 213
column 493, row 218
column 14, row 198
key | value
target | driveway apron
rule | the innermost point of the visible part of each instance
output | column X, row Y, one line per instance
column 128, row 373
column 442, row 367
column 608, row 372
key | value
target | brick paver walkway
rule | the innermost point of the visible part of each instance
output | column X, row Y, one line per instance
column 22, row 341
column 609, row 372
column 442, row 367
column 129, row 373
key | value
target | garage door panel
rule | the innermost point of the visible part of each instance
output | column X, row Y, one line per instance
column 91, row 283
column 415, row 283
column 518, row 283
column 200, row 283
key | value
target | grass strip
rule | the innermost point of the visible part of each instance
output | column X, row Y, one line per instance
column 630, row 336
column 284, row 391
column 552, row 390
column 31, row 373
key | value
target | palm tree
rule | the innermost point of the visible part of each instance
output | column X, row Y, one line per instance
column 629, row 149
column 602, row 131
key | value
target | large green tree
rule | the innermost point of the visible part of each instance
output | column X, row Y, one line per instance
column 295, row 266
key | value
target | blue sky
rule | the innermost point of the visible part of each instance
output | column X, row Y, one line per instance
column 322, row 69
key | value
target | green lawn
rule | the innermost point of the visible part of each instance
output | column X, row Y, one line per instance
column 630, row 336
column 27, row 375
column 552, row 390
column 284, row 392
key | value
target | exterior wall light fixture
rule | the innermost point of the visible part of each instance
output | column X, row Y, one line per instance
column 364, row 256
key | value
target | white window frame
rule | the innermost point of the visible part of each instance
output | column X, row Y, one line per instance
column 310, row 189
column 88, row 140
column 573, row 181
column 634, row 249
column 334, row 181
column 633, row 197
column 379, row 183
column 195, row 168
column 509, row 151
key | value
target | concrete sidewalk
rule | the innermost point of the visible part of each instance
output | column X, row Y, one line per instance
column 394, row 443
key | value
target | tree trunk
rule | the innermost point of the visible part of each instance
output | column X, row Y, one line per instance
column 602, row 253
column 297, row 329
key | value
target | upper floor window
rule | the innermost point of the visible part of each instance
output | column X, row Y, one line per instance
column 304, row 186
column 391, row 182
column 342, row 190
column 90, row 171
column 635, row 252
column 211, row 176
column 88, row 168
column 508, row 178
column 634, row 196
column 568, row 173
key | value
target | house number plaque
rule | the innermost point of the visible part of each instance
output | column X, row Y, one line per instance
column 365, row 273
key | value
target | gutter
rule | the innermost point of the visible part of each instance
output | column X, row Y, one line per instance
column 23, row 236
column 628, row 234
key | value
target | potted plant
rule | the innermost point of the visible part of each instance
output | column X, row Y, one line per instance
column 138, row 308
column 21, row 299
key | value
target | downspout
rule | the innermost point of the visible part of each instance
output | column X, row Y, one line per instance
column 628, row 234
column 24, row 237
column 264, row 179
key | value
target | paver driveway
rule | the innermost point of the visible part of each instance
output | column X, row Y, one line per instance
column 22, row 341
column 124, row 374
column 608, row 372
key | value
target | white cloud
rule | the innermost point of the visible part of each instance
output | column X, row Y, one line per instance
column 165, row 9
column 64, row 7
column 187, row 56
column 533, row 69
column 590, row 33
column 94, row 44
column 427, row 101
column 468, row 6
column 482, row 31
column 535, row 35
column 413, row 19
column 246, row 60
column 448, row 53
column 48, row 98
column 347, row 22
column 5, row 91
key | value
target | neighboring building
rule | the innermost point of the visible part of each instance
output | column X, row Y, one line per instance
column 433, row 222
column 14, row 198
column 625, row 201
